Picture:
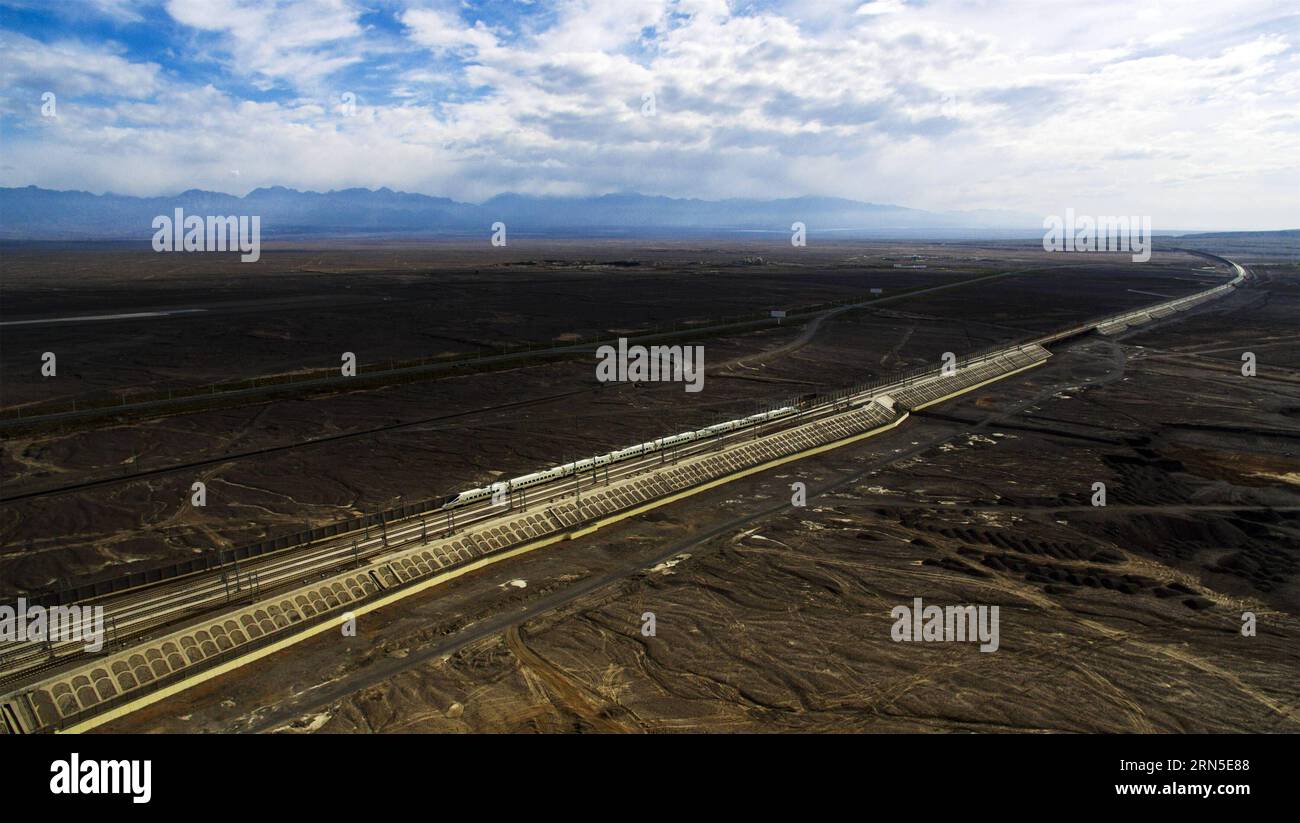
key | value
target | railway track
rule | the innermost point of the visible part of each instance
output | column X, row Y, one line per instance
column 134, row 614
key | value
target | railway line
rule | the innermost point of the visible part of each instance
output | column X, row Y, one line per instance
column 134, row 614
column 371, row 561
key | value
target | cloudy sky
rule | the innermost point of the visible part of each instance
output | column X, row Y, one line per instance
column 1185, row 111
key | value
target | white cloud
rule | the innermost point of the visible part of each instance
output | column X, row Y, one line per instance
column 442, row 31
column 298, row 41
column 881, row 7
column 70, row 68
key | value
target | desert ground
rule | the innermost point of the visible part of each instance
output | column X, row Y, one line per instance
column 768, row 616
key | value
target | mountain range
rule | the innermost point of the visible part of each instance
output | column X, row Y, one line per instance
column 33, row 213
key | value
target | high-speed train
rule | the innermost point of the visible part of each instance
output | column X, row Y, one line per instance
column 505, row 487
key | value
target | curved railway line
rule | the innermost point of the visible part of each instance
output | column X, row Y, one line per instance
column 372, row 557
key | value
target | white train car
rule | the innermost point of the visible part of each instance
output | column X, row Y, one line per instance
column 507, row 487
